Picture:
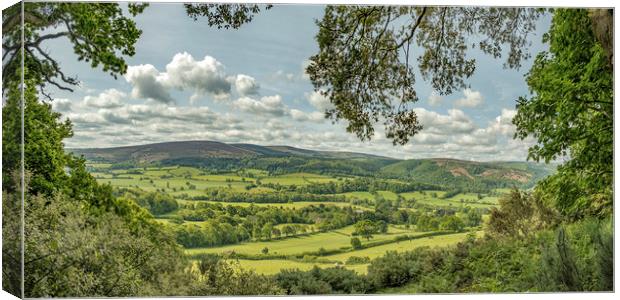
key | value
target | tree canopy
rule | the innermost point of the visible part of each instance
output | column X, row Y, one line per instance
column 570, row 115
column 365, row 64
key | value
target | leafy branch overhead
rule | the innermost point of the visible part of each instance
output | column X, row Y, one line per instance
column 99, row 32
column 367, row 58
column 102, row 34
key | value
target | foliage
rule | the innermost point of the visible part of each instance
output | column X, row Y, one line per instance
column 520, row 214
column 452, row 223
column 373, row 43
column 99, row 32
column 570, row 114
column 43, row 135
column 154, row 202
column 356, row 243
column 322, row 281
column 583, row 262
column 221, row 278
column 576, row 257
column 70, row 253
column 224, row 15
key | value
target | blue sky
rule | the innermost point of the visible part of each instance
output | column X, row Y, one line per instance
column 188, row 81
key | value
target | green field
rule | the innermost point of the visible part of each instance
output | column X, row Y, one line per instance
column 298, row 179
column 295, row 205
column 332, row 240
column 373, row 252
column 273, row 266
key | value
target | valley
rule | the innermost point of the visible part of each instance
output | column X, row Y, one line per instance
column 273, row 208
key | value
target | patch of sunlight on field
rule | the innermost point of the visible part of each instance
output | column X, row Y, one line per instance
column 358, row 195
column 373, row 252
column 388, row 195
column 332, row 240
column 274, row 266
column 434, row 198
column 298, row 179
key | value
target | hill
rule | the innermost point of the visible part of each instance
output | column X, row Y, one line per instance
column 285, row 159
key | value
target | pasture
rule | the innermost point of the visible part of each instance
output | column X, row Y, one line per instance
column 332, row 240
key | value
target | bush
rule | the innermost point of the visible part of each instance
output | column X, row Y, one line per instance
column 357, row 260
column 356, row 243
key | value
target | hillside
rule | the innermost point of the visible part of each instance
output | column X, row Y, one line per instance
column 285, row 159
column 152, row 153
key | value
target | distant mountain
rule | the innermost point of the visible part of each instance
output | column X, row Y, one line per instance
column 282, row 159
column 152, row 153
column 461, row 172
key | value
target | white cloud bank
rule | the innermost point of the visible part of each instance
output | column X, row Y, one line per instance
column 472, row 99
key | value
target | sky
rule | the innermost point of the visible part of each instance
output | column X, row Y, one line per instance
column 188, row 81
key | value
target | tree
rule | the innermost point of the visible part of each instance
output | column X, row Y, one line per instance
column 267, row 231
column 288, row 230
column 227, row 16
column 365, row 229
column 265, row 250
column 473, row 218
column 72, row 253
column 570, row 114
column 519, row 215
column 356, row 243
column 363, row 64
column 44, row 131
column 381, row 226
column 452, row 223
column 99, row 32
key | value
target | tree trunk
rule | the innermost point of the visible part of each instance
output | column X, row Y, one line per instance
column 603, row 28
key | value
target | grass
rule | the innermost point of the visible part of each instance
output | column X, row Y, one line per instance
column 273, row 266
column 332, row 240
column 433, row 198
column 298, row 179
column 358, row 195
column 374, row 252
column 295, row 205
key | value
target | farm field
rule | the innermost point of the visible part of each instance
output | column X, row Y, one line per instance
column 332, row 240
column 373, row 252
column 274, row 266
column 296, row 205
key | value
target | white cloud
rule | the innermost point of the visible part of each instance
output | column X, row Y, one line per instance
column 456, row 121
column 429, row 138
column 503, row 123
column 434, row 99
column 246, row 85
column 108, row 99
column 302, row 116
column 268, row 105
column 319, row 101
column 472, row 99
column 61, row 105
column 147, row 83
column 206, row 76
column 100, row 120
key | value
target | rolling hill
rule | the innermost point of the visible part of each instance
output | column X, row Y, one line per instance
column 285, row 159
column 152, row 153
